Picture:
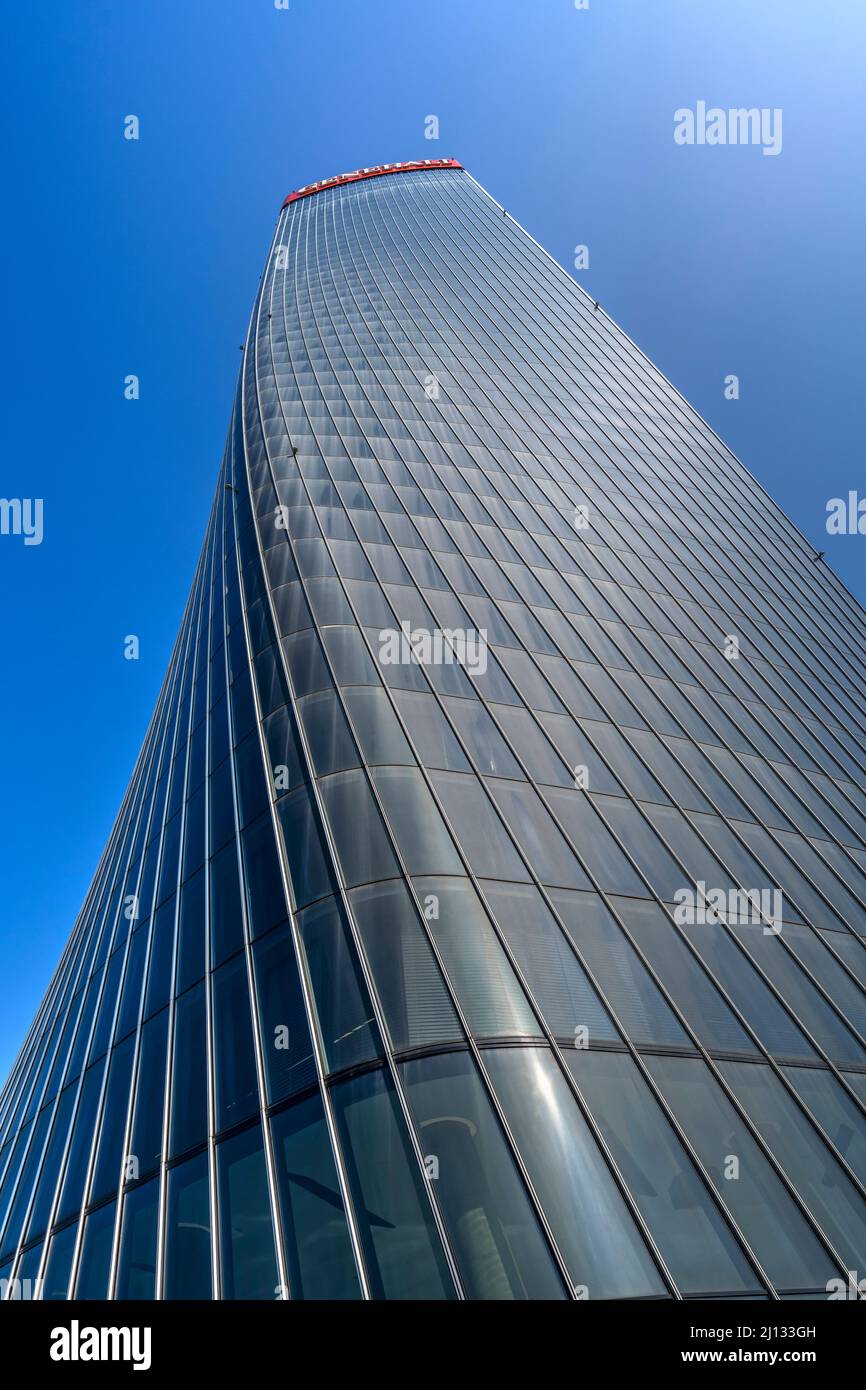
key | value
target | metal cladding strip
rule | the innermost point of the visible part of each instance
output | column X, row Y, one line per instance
column 374, row 171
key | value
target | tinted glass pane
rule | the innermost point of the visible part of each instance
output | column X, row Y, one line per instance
column 402, row 1250
column 494, row 1232
column 688, row 1228
column 136, row 1270
column 782, row 1240
column 95, row 1262
column 407, row 978
column 248, row 1261
column 315, row 1233
column 235, row 1089
column 288, row 1054
column 597, row 1234
column 189, row 1092
column 343, row 1008
column 188, row 1244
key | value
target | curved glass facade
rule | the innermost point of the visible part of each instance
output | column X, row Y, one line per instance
column 486, row 915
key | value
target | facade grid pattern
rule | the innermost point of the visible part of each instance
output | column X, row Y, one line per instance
column 380, row 990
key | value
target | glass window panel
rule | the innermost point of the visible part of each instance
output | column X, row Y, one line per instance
column 286, row 1045
column 226, row 917
column 146, row 1143
column 248, row 1263
column 494, row 1232
column 430, row 731
column 407, row 978
column 236, row 1089
column 188, row 1240
column 537, row 834
column 837, row 1114
column 481, row 736
column 593, row 1226
column 331, row 744
column 421, row 834
column 161, row 956
column 45, row 1190
column 309, row 869
column 821, row 1182
column 478, row 828
column 189, row 1123
column 554, row 975
column 315, row 1234
column 136, row 1266
column 529, row 743
column 343, row 1009
column 692, row 1236
column 266, row 898
column 82, row 1138
column 788, row 1249
column 809, row 1008
column 359, row 834
column 130, row 1003
column 761, row 1010
column 56, row 1279
column 482, row 976
column 696, row 996
column 352, row 662
column 109, row 1154
column 95, row 1262
column 625, row 982
column 601, row 852
column 402, row 1250
column 376, row 726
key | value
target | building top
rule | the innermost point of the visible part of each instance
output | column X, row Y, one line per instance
column 373, row 172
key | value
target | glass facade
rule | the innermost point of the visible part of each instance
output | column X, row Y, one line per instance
column 486, row 914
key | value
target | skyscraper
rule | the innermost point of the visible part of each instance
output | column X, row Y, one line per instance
column 485, row 916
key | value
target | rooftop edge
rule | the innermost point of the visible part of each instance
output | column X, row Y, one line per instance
column 374, row 171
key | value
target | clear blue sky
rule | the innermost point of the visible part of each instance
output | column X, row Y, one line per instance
column 143, row 258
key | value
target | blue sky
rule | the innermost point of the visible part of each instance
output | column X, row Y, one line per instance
column 143, row 257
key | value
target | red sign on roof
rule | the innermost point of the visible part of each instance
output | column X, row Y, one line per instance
column 372, row 173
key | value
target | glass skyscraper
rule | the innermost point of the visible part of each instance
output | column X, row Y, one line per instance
column 486, row 914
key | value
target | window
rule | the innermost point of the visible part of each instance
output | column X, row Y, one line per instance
column 484, row 981
column 553, row 973
column 492, row 1226
column 343, row 1007
column 248, row 1266
column 146, row 1142
column 331, row 744
column 593, row 1226
column 95, row 1262
column 235, row 1090
column 356, row 826
column 421, row 834
column 402, row 1250
column 768, row 1216
column 430, row 731
column 537, row 834
column 693, row 1237
column 479, row 830
column 136, row 1267
column 695, row 995
column 188, row 1243
column 405, row 972
column 189, row 1094
column 377, row 727
column 316, row 1240
column 286, row 1045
